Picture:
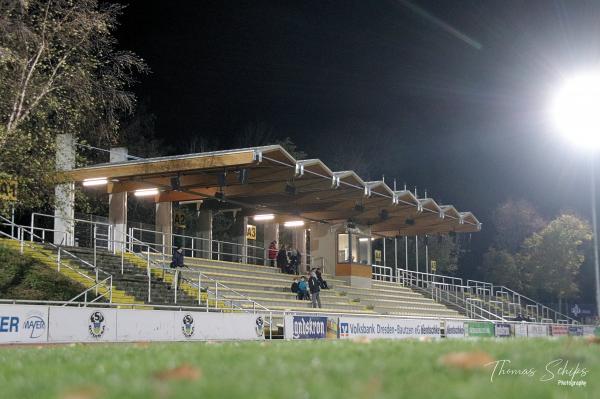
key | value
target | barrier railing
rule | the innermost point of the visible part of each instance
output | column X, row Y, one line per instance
column 106, row 283
column 382, row 273
column 222, row 295
column 61, row 253
column 200, row 247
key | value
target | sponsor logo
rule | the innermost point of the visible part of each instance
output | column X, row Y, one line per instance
column 9, row 324
column 97, row 325
column 559, row 330
column 260, row 326
column 576, row 330
column 392, row 330
column 452, row 330
column 502, row 330
column 187, row 325
column 35, row 326
column 344, row 330
column 307, row 327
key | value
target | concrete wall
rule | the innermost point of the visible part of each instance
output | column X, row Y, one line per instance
column 323, row 246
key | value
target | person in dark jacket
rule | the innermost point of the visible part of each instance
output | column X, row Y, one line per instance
column 322, row 282
column 294, row 288
column 314, row 288
column 282, row 259
column 177, row 262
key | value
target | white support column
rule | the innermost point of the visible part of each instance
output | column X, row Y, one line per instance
column 64, row 206
column 384, row 261
column 164, row 224
column 426, row 257
column 245, row 241
column 417, row 253
column 205, row 218
column 117, row 204
column 395, row 253
column 406, row 252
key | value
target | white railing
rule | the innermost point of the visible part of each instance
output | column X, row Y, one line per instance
column 81, row 235
column 222, row 295
column 61, row 254
column 199, row 247
column 106, row 283
column 382, row 273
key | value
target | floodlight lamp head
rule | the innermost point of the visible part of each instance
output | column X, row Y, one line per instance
column 574, row 110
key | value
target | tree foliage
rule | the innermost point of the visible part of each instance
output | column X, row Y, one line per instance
column 60, row 72
column 553, row 257
column 514, row 221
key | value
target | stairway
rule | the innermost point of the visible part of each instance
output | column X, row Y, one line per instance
column 271, row 288
column 75, row 272
column 134, row 279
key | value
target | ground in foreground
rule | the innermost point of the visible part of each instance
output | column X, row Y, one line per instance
column 308, row 369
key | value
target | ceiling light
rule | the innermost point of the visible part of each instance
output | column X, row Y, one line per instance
column 268, row 216
column 146, row 192
column 294, row 223
column 96, row 181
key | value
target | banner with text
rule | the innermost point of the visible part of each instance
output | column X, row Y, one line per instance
column 479, row 329
column 353, row 327
column 310, row 327
column 559, row 330
column 537, row 330
column 502, row 330
column 455, row 329
column 23, row 324
column 519, row 330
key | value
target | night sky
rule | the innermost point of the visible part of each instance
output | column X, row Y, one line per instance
column 448, row 96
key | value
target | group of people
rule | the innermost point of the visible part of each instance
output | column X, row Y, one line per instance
column 287, row 259
column 309, row 287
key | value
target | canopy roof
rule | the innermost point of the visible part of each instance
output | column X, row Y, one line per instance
column 269, row 180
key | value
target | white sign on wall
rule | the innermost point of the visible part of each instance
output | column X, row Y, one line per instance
column 144, row 325
column 455, row 329
column 520, row 330
column 352, row 327
column 219, row 326
column 23, row 324
column 68, row 324
column 537, row 330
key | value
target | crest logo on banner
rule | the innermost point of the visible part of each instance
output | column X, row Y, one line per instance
column 187, row 325
column 260, row 326
column 97, row 325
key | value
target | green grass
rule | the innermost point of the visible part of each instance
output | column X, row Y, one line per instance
column 308, row 369
column 22, row 277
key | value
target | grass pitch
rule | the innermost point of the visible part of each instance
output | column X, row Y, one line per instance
column 307, row 369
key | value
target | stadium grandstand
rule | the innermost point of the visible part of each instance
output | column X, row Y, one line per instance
column 225, row 208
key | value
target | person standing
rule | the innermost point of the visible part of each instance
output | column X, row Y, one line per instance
column 176, row 263
column 272, row 253
column 314, row 288
column 282, row 259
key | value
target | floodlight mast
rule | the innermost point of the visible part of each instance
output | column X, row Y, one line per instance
column 576, row 116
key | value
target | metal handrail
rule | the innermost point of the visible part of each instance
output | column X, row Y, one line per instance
column 242, row 247
column 95, row 287
column 196, row 273
column 60, row 250
column 436, row 294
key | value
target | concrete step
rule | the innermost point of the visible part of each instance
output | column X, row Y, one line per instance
column 271, row 303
